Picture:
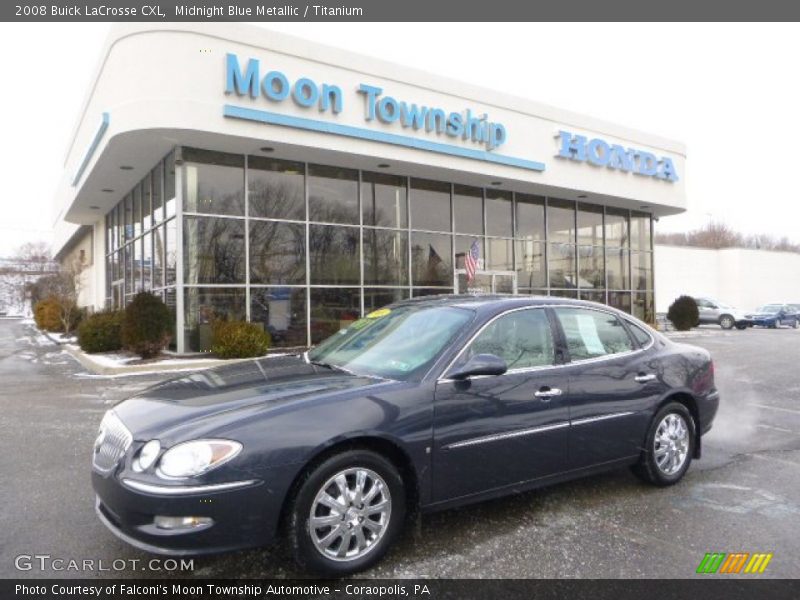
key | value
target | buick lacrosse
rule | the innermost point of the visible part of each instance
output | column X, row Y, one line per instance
column 422, row 405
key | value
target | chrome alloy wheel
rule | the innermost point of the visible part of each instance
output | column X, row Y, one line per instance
column 671, row 444
column 350, row 514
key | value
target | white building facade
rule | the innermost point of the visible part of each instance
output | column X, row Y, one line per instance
column 242, row 174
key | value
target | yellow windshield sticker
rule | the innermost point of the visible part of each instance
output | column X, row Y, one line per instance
column 377, row 314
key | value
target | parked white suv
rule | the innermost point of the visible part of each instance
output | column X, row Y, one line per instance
column 716, row 312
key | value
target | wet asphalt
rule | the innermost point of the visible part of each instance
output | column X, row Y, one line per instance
column 742, row 496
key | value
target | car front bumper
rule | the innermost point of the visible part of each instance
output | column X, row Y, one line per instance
column 245, row 515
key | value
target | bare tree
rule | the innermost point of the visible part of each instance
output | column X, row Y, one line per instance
column 717, row 234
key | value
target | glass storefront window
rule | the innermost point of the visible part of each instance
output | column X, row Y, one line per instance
column 136, row 211
column 564, row 293
column 562, row 265
column 530, row 216
column 213, row 182
column 169, row 185
column 561, row 221
column 431, row 259
column 158, row 256
column 202, row 306
column 640, row 232
column 499, row 219
column 642, row 270
column 334, row 255
column 127, row 209
column 147, row 204
column 332, row 195
column 463, row 244
column 138, row 271
column 530, row 264
column 277, row 252
column 385, row 257
column 590, row 225
column 171, row 255
column 384, row 200
column 593, row 296
column 620, row 300
column 282, row 312
column 616, row 228
column 618, row 269
column 430, row 205
column 419, row 292
column 147, row 262
column 468, row 209
column 157, row 179
column 375, row 298
column 591, row 272
column 333, row 309
column 276, row 188
column 213, row 250
column 499, row 255
column 644, row 307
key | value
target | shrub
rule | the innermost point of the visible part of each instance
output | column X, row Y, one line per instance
column 101, row 332
column 47, row 314
column 683, row 313
column 239, row 339
column 146, row 325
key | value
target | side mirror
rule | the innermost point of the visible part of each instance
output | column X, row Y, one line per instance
column 480, row 364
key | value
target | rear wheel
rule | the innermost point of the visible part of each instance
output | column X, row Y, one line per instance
column 669, row 446
column 726, row 321
column 346, row 513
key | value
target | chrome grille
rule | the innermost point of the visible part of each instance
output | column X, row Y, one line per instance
column 113, row 441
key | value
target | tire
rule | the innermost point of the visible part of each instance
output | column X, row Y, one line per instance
column 776, row 324
column 741, row 326
column 308, row 543
column 727, row 322
column 795, row 324
column 650, row 467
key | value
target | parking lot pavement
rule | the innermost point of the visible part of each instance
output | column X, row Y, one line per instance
column 741, row 497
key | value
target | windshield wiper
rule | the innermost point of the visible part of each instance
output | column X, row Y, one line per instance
column 327, row 365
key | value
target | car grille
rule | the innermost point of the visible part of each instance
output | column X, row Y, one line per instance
column 113, row 441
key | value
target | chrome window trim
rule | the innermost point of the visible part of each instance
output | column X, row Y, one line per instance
column 647, row 333
column 588, row 420
column 523, row 370
column 177, row 490
column 509, row 435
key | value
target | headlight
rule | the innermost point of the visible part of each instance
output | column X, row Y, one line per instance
column 147, row 456
column 196, row 457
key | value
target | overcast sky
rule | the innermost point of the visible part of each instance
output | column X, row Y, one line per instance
column 729, row 92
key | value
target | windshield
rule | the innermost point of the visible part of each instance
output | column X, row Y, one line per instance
column 393, row 343
column 770, row 308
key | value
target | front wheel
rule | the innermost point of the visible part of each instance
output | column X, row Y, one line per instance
column 795, row 324
column 346, row 513
column 669, row 446
column 741, row 326
column 726, row 322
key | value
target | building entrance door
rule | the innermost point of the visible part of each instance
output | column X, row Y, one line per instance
column 486, row 282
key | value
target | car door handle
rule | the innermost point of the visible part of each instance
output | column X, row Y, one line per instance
column 644, row 377
column 546, row 393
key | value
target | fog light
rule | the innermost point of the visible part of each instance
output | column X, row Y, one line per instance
column 174, row 523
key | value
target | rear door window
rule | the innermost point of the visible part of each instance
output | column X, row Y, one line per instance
column 639, row 334
column 593, row 333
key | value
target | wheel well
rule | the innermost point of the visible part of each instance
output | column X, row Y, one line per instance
column 388, row 450
column 689, row 402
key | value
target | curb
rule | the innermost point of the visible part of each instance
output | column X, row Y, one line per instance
column 101, row 369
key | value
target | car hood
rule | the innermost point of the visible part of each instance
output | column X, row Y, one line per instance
column 230, row 391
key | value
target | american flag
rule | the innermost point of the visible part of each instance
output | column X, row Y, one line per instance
column 471, row 260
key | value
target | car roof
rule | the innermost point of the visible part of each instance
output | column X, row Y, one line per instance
column 494, row 303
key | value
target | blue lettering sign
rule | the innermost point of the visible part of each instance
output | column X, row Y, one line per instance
column 600, row 153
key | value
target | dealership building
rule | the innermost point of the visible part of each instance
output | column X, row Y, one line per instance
column 242, row 174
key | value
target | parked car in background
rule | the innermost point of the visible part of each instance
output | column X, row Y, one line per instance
column 718, row 313
column 426, row 404
column 773, row 316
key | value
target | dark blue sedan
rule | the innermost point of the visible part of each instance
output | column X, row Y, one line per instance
column 773, row 316
column 422, row 405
